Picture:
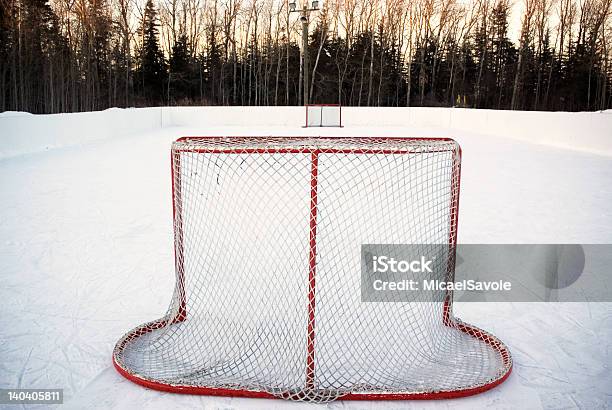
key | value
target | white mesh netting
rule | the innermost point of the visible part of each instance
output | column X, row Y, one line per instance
column 268, row 235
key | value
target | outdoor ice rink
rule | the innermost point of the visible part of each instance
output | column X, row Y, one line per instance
column 87, row 253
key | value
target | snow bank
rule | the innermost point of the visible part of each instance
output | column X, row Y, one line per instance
column 26, row 134
column 233, row 116
column 13, row 113
column 582, row 131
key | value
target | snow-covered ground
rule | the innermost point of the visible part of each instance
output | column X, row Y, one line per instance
column 87, row 253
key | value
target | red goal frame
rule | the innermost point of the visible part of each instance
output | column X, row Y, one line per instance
column 447, row 316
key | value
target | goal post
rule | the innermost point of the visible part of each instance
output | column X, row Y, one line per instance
column 268, row 302
column 323, row 115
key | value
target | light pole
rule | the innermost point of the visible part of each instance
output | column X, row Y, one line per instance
column 304, row 18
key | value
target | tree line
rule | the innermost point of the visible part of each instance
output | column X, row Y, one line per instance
column 81, row 55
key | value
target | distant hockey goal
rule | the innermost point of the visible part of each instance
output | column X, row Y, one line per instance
column 324, row 115
column 268, row 302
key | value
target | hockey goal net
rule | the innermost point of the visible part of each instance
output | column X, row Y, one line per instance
column 324, row 115
column 267, row 303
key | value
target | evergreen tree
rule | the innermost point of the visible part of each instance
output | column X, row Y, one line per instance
column 503, row 57
column 545, row 74
column 152, row 70
column 212, row 66
column 180, row 80
column 41, row 43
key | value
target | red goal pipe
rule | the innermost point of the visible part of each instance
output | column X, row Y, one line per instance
column 447, row 314
column 310, row 365
column 175, row 164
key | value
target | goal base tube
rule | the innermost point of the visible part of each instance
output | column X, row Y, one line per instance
column 374, row 395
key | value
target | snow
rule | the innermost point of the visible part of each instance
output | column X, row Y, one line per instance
column 87, row 249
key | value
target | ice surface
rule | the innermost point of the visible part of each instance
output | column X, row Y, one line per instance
column 87, row 253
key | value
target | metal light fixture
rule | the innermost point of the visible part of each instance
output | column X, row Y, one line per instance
column 315, row 4
column 292, row 5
